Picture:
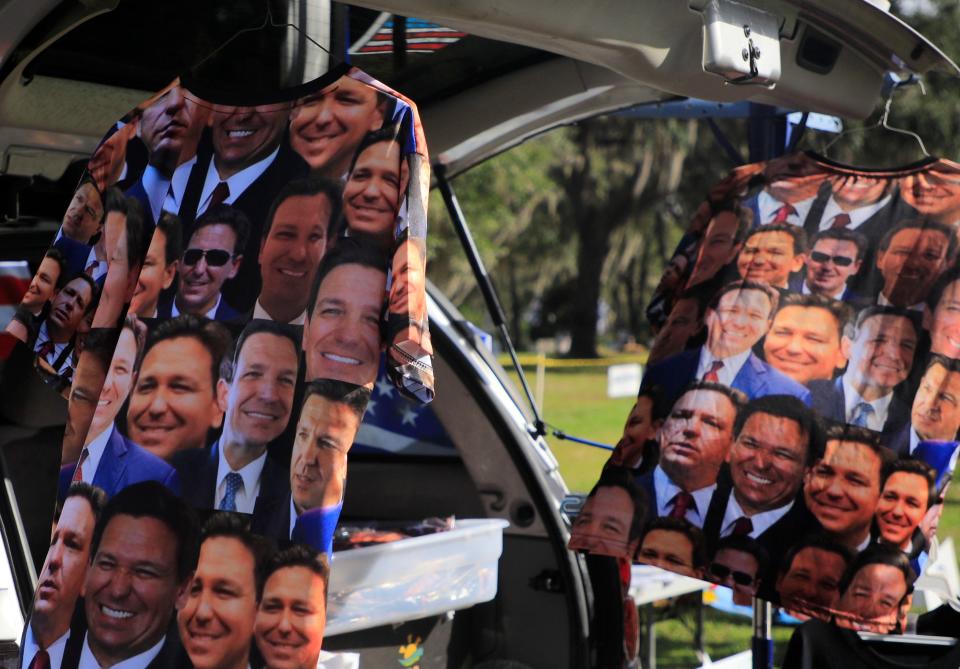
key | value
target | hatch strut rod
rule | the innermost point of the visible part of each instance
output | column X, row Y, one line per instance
column 486, row 288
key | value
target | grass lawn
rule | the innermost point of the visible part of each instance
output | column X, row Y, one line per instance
column 575, row 401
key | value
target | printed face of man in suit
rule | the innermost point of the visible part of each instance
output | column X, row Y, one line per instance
column 640, row 428
column 717, row 249
column 740, row 319
column 768, row 462
column 200, row 283
column 84, row 393
column 372, row 194
column 174, row 403
column 812, row 578
column 792, row 179
column 216, row 622
column 696, row 437
column 171, row 128
column 65, row 567
column 936, row 406
column 683, row 323
column 945, row 330
column 853, row 192
column 43, row 285
column 672, row 274
column 736, row 567
column 291, row 619
column 68, row 308
column 882, row 354
column 902, row 505
column 132, row 588
column 155, row 276
column 875, row 593
column 933, row 193
column 291, row 252
column 842, row 490
column 318, row 466
column 826, row 273
column 805, row 344
column 259, row 399
column 341, row 338
column 84, row 214
column 769, row 257
column 408, row 292
column 669, row 550
column 243, row 136
column 912, row 263
column 116, row 388
column 106, row 163
column 603, row 525
column 327, row 127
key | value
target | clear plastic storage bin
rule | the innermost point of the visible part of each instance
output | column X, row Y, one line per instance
column 414, row 578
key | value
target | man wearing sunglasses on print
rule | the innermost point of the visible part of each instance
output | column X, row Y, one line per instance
column 738, row 564
column 212, row 257
column 835, row 256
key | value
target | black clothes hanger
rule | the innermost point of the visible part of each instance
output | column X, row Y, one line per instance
column 248, row 77
column 268, row 21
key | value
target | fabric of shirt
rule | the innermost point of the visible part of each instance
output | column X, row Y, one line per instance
column 731, row 366
column 54, row 650
column 250, row 473
column 769, row 206
column 95, row 450
column 261, row 313
column 761, row 521
column 139, row 661
column 211, row 313
column 857, row 215
column 852, row 399
column 667, row 490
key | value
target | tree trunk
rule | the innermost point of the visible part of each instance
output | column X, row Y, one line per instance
column 592, row 247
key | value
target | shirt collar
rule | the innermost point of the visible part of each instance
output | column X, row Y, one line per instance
column 88, row 660
column 666, row 490
column 260, row 313
column 95, row 450
column 293, row 515
column 210, row 315
column 884, row 302
column 852, row 398
column 178, row 183
column 54, row 650
column 250, row 473
column 768, row 206
column 857, row 216
column 838, row 296
column 155, row 185
column 731, row 365
column 761, row 521
column 239, row 182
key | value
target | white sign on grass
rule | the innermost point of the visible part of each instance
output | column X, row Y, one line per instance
column 624, row 380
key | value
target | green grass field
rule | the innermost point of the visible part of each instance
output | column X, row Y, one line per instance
column 575, row 401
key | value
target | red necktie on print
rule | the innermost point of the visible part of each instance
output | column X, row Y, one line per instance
column 682, row 502
column 783, row 213
column 742, row 527
column 41, row 660
column 840, row 221
column 45, row 349
column 220, row 193
column 91, row 268
column 78, row 472
column 711, row 374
